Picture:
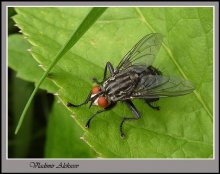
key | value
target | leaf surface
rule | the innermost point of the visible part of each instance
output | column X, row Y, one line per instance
column 63, row 136
column 183, row 128
column 23, row 63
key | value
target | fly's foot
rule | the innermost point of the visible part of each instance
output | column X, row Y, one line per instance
column 157, row 108
column 87, row 125
column 122, row 135
column 70, row 104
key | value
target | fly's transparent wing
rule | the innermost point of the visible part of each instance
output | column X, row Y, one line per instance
column 154, row 86
column 143, row 53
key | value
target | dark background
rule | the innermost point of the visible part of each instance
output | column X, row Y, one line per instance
column 30, row 140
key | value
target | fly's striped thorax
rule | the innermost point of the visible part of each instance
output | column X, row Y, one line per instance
column 119, row 85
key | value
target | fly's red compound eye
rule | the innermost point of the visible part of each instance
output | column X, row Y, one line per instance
column 102, row 102
column 95, row 89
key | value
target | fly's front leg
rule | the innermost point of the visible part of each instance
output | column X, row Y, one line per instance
column 135, row 112
column 98, row 112
column 85, row 102
column 111, row 70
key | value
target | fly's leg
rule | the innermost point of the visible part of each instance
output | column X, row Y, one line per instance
column 85, row 102
column 149, row 102
column 153, row 107
column 135, row 112
column 98, row 112
column 111, row 70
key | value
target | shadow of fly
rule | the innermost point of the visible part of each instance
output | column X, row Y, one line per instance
column 135, row 78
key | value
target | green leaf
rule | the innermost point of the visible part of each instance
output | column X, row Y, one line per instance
column 84, row 26
column 21, row 61
column 63, row 136
column 183, row 128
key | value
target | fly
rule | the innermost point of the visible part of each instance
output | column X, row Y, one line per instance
column 135, row 78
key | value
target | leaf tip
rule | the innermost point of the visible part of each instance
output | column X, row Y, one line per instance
column 40, row 65
column 29, row 49
column 56, row 94
column 25, row 37
column 16, row 131
column 73, row 116
column 82, row 138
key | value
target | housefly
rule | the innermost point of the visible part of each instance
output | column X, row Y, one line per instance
column 135, row 78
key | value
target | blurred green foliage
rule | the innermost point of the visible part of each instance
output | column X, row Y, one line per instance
column 33, row 133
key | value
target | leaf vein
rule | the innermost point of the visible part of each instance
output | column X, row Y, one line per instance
column 198, row 96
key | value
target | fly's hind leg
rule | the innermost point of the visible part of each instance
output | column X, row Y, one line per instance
column 111, row 70
column 150, row 101
column 135, row 112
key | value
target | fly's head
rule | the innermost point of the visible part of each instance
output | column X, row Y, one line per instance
column 98, row 97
